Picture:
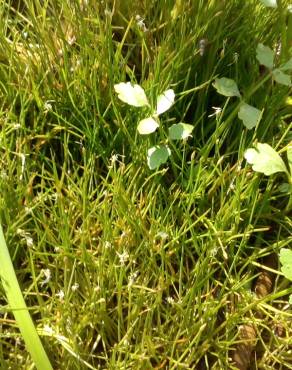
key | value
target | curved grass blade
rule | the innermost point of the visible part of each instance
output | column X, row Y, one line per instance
column 18, row 307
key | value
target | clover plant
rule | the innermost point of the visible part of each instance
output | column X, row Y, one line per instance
column 263, row 157
column 135, row 95
column 286, row 265
column 249, row 115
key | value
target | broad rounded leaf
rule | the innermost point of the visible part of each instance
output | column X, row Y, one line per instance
column 286, row 262
column 281, row 77
column 285, row 188
column 180, row 131
column 286, row 66
column 131, row 94
column 157, row 155
column 147, row 126
column 249, row 115
column 265, row 56
column 265, row 159
column 226, row 86
column 269, row 3
column 165, row 101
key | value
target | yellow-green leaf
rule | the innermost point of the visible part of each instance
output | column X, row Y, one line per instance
column 265, row 159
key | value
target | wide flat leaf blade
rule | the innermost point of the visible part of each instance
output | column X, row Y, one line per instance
column 286, row 66
column 147, row 125
column 289, row 157
column 226, row 86
column 281, row 77
column 269, row 3
column 180, row 131
column 131, row 94
column 249, row 115
column 157, row 155
column 265, row 159
column 265, row 56
column 165, row 101
column 286, row 262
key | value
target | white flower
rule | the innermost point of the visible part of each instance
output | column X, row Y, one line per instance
column 162, row 235
column 47, row 273
column 123, row 257
column 108, row 245
column 29, row 241
column 115, row 159
column 60, row 295
column 132, row 278
column 75, row 287
column 140, row 23
column 47, row 107
column 217, row 112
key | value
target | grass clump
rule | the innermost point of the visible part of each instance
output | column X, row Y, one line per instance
column 122, row 267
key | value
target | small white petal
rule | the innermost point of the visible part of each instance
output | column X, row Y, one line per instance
column 165, row 101
column 147, row 125
column 131, row 94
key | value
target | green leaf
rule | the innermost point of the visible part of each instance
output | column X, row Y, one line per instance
column 17, row 306
column 165, row 101
column 249, row 115
column 285, row 188
column 265, row 56
column 157, row 155
column 269, row 3
column 290, row 299
column 289, row 157
column 226, row 86
column 281, row 77
column 131, row 94
column 286, row 262
column 286, row 66
column 265, row 159
column 147, row 125
column 180, row 131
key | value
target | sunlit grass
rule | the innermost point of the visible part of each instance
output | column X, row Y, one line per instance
column 122, row 267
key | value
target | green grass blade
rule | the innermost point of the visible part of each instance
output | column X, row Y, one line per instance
column 19, row 309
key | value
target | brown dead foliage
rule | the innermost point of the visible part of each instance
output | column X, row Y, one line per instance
column 248, row 333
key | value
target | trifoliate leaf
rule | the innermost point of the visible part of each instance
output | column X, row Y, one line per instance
column 265, row 56
column 286, row 262
column 286, row 66
column 269, row 3
column 226, row 86
column 147, row 126
column 249, row 115
column 289, row 157
column 165, row 101
column 281, row 77
column 265, row 159
column 131, row 94
column 157, row 155
column 180, row 131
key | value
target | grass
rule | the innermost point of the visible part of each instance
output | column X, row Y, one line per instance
column 122, row 267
